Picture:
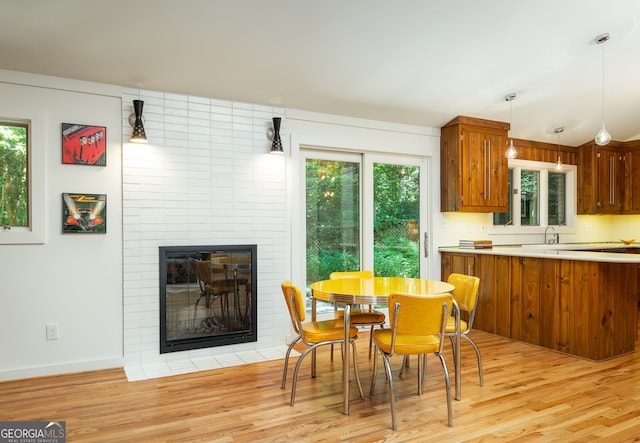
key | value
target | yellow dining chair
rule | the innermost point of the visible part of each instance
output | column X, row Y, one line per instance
column 313, row 334
column 466, row 296
column 360, row 317
column 417, row 328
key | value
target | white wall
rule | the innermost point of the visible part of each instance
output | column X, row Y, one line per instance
column 74, row 280
column 205, row 178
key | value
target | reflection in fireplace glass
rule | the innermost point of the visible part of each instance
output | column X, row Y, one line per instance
column 208, row 296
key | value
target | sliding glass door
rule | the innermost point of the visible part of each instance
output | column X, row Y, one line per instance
column 332, row 215
column 395, row 215
column 364, row 211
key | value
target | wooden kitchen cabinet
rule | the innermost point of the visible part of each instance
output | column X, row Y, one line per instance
column 535, row 296
column 473, row 168
column 601, row 178
column 610, row 173
column 632, row 181
column 493, row 293
column 601, row 308
column 457, row 263
column 582, row 308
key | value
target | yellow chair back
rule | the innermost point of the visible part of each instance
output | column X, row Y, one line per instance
column 419, row 315
column 350, row 274
column 295, row 304
column 466, row 292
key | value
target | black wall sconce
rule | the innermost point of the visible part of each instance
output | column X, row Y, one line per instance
column 276, row 146
column 135, row 120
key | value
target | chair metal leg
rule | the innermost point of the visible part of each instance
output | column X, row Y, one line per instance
column 448, row 388
column 302, row 356
column 286, row 363
column 405, row 364
column 295, row 374
column 355, row 368
column 392, row 394
column 371, row 340
column 453, row 347
column 422, row 370
column 475, row 347
column 375, row 372
column 370, row 343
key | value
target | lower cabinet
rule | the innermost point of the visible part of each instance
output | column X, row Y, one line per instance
column 494, row 294
column 494, row 291
column 534, row 298
column 583, row 308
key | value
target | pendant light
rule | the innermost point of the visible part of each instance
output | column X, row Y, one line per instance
column 603, row 138
column 511, row 152
column 559, row 131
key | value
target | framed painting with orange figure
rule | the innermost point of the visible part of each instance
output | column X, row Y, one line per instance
column 84, row 144
column 84, row 213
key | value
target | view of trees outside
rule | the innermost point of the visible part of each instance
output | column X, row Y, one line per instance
column 333, row 219
column 13, row 175
column 557, row 210
column 529, row 198
column 396, row 227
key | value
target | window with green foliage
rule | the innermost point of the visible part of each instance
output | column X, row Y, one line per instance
column 541, row 195
column 14, row 192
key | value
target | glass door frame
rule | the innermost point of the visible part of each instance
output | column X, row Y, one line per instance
column 368, row 207
column 366, row 161
column 331, row 155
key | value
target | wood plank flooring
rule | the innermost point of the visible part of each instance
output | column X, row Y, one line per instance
column 530, row 394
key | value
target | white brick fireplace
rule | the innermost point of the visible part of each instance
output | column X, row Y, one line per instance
column 205, row 177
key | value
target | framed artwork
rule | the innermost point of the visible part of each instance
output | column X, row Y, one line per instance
column 84, row 145
column 84, row 213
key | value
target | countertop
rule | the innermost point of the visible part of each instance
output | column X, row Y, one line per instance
column 564, row 251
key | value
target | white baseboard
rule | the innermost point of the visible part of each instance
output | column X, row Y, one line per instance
column 65, row 368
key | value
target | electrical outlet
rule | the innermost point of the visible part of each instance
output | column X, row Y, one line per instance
column 52, row 331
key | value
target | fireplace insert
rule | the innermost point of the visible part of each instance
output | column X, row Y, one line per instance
column 208, row 296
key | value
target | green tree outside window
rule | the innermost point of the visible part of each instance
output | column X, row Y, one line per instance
column 14, row 206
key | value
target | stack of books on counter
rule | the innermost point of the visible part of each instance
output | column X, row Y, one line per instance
column 476, row 244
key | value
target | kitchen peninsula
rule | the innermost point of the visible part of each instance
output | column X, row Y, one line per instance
column 579, row 299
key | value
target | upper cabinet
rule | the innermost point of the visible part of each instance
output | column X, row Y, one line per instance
column 632, row 179
column 608, row 177
column 473, row 168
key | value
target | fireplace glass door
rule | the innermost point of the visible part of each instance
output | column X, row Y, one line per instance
column 207, row 296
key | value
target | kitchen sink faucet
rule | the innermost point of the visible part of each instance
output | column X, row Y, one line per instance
column 554, row 239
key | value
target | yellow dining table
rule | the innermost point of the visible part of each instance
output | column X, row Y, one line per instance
column 373, row 291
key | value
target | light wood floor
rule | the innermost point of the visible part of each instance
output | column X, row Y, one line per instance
column 530, row 394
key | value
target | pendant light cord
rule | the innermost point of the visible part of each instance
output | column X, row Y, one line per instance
column 603, row 82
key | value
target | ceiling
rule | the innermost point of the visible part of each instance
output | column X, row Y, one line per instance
column 419, row 62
